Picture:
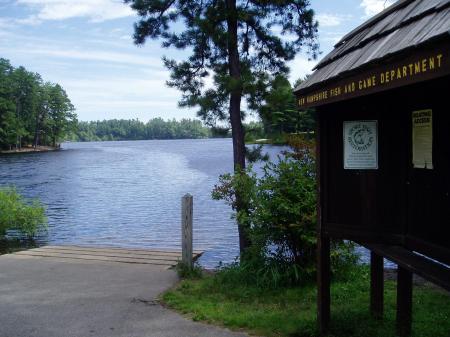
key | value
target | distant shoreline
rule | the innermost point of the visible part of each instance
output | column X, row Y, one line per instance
column 137, row 140
column 30, row 150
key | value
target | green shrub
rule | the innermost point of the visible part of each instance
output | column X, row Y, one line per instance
column 280, row 218
column 185, row 272
column 17, row 213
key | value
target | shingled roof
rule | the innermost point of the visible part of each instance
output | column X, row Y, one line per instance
column 405, row 25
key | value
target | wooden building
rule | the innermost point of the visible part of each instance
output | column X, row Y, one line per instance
column 382, row 100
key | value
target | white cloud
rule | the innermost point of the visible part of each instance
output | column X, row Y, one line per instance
column 5, row 23
column 372, row 7
column 119, row 88
column 117, row 97
column 31, row 20
column 300, row 67
column 95, row 10
column 332, row 37
column 96, row 55
column 331, row 20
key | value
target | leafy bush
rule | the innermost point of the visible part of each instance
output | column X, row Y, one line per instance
column 17, row 213
column 280, row 218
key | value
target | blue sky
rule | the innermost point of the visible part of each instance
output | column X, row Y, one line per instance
column 86, row 46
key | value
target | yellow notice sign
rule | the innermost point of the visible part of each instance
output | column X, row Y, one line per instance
column 422, row 139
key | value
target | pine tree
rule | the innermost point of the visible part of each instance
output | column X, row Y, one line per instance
column 234, row 43
column 8, row 119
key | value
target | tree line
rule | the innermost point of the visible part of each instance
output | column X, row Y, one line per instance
column 33, row 112
column 134, row 129
column 277, row 115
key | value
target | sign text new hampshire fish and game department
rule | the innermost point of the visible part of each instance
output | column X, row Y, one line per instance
column 416, row 69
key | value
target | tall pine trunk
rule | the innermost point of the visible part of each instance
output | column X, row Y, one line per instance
column 235, row 111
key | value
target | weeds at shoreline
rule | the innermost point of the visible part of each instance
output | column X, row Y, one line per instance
column 8, row 246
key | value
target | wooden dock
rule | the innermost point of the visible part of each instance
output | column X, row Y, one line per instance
column 163, row 257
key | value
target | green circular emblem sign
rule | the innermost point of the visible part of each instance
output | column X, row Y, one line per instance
column 360, row 137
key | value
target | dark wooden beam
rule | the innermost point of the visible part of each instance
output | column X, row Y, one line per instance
column 376, row 285
column 404, row 302
column 323, row 241
column 361, row 234
column 323, row 284
column 436, row 252
column 430, row 270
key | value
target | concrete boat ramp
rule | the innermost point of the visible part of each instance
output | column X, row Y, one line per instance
column 75, row 291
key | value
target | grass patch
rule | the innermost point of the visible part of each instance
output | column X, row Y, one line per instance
column 292, row 311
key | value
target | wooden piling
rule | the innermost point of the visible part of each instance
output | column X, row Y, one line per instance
column 376, row 285
column 323, row 284
column 186, row 229
column 404, row 302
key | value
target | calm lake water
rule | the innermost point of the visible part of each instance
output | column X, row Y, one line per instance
column 128, row 194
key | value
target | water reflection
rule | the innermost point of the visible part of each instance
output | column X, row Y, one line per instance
column 128, row 194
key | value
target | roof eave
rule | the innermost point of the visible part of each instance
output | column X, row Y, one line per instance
column 302, row 88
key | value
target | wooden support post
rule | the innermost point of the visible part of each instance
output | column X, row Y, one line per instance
column 186, row 230
column 404, row 302
column 323, row 284
column 376, row 285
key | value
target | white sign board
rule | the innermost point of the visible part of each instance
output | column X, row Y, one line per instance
column 360, row 145
column 422, row 139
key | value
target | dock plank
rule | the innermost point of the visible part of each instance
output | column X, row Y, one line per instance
column 165, row 258
column 115, row 249
column 98, row 258
column 73, row 258
column 174, row 258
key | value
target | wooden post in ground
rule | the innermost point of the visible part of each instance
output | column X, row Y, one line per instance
column 323, row 241
column 404, row 302
column 323, row 284
column 376, row 285
column 186, row 230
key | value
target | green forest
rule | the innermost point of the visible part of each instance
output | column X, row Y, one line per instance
column 33, row 112
column 123, row 129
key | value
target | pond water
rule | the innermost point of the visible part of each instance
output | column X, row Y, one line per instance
column 128, row 194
